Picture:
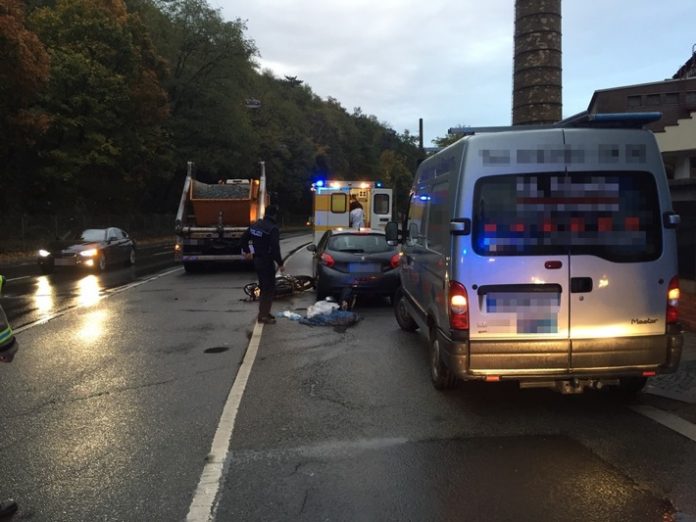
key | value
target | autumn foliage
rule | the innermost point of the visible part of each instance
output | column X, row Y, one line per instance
column 102, row 103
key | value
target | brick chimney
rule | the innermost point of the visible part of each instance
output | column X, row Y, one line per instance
column 537, row 86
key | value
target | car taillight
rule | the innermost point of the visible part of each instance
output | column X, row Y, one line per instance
column 327, row 260
column 458, row 306
column 395, row 260
column 673, row 301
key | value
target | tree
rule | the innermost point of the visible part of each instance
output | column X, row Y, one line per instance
column 105, row 102
column 211, row 76
column 24, row 68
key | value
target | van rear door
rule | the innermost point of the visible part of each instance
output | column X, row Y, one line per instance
column 618, row 274
column 381, row 207
column 330, row 210
column 518, row 277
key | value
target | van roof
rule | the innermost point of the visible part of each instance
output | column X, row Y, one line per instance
column 613, row 120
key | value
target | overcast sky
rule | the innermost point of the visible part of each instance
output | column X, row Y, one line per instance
column 450, row 61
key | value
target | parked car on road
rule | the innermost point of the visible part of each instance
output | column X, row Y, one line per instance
column 357, row 260
column 93, row 248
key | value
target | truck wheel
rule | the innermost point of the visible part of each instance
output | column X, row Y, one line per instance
column 405, row 321
column 191, row 268
column 440, row 375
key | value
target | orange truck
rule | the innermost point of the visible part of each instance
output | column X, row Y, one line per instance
column 212, row 218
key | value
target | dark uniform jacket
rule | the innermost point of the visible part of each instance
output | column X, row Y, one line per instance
column 263, row 240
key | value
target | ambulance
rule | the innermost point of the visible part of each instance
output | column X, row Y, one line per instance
column 331, row 204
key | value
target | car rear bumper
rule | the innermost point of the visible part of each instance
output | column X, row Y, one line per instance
column 333, row 282
column 566, row 359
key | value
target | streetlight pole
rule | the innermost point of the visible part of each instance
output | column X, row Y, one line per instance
column 262, row 189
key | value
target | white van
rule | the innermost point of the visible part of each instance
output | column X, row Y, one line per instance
column 544, row 256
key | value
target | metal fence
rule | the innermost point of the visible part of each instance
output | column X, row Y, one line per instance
column 28, row 231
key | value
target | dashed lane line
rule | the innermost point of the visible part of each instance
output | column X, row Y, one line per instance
column 205, row 500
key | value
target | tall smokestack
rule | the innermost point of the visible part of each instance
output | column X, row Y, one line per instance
column 536, row 93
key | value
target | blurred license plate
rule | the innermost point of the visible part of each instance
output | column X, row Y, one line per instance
column 64, row 261
column 363, row 268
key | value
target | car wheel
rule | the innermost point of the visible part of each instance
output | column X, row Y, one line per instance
column 101, row 263
column 46, row 268
column 440, row 375
column 404, row 319
column 131, row 258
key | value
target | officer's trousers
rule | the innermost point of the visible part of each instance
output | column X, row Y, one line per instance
column 265, row 271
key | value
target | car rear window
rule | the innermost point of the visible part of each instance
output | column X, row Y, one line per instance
column 367, row 243
column 613, row 215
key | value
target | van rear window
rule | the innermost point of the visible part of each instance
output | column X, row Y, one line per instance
column 613, row 215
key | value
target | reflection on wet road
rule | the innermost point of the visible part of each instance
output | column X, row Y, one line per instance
column 36, row 298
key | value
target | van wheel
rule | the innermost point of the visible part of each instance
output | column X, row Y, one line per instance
column 441, row 376
column 631, row 386
column 405, row 321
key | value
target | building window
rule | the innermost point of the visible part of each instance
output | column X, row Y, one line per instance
column 634, row 101
column 690, row 99
column 652, row 99
column 671, row 98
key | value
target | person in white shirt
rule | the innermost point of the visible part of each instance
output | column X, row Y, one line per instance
column 357, row 214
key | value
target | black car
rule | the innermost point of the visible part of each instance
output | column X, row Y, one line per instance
column 355, row 261
column 93, row 248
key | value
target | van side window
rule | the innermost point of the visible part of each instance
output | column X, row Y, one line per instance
column 416, row 220
column 438, row 217
column 612, row 215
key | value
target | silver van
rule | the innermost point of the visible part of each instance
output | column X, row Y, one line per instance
column 545, row 256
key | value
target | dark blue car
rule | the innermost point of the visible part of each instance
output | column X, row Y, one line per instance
column 354, row 262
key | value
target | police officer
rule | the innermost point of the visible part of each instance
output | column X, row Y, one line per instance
column 8, row 348
column 262, row 242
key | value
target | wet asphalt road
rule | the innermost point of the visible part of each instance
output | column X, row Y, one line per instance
column 109, row 410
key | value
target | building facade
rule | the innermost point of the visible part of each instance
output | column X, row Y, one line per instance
column 675, row 132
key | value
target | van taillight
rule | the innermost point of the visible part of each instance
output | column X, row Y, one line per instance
column 395, row 260
column 327, row 260
column 673, row 301
column 458, row 306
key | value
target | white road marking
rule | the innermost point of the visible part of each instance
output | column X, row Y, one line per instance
column 668, row 420
column 205, row 500
column 18, row 278
column 108, row 294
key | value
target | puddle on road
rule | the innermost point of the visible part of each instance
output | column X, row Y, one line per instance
column 216, row 349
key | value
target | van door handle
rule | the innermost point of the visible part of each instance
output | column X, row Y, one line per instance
column 580, row 285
